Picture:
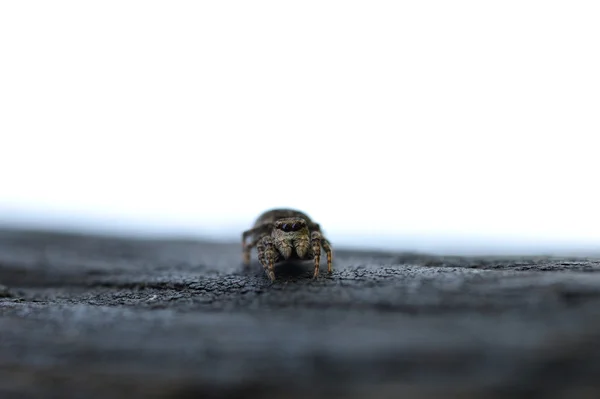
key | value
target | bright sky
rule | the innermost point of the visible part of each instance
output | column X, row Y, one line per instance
column 378, row 118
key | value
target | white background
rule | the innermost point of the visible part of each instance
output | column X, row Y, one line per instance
column 428, row 125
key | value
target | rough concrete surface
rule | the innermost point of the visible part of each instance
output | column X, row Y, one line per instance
column 92, row 317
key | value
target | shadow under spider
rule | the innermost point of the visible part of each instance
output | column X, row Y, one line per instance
column 286, row 270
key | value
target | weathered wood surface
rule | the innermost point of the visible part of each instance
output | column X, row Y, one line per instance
column 85, row 317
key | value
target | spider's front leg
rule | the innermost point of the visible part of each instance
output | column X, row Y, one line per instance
column 267, row 255
column 247, row 248
column 316, row 242
column 327, row 247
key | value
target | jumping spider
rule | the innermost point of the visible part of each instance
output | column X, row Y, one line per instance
column 285, row 234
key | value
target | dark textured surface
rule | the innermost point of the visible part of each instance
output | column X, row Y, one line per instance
column 84, row 317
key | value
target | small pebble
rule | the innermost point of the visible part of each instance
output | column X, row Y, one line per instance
column 4, row 292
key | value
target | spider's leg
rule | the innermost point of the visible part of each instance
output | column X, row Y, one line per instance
column 267, row 255
column 312, row 226
column 327, row 247
column 247, row 248
column 315, row 244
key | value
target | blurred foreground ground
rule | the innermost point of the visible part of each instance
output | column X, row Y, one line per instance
column 85, row 317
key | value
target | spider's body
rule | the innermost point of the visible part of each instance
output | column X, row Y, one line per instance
column 285, row 234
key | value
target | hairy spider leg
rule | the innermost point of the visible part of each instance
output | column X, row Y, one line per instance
column 315, row 243
column 267, row 255
column 248, row 250
column 327, row 247
column 317, row 237
column 258, row 231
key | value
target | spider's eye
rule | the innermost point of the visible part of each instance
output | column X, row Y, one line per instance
column 295, row 226
column 285, row 227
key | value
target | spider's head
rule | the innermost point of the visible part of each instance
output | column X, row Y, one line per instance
column 291, row 236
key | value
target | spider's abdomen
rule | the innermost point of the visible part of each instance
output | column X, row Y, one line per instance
column 272, row 215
